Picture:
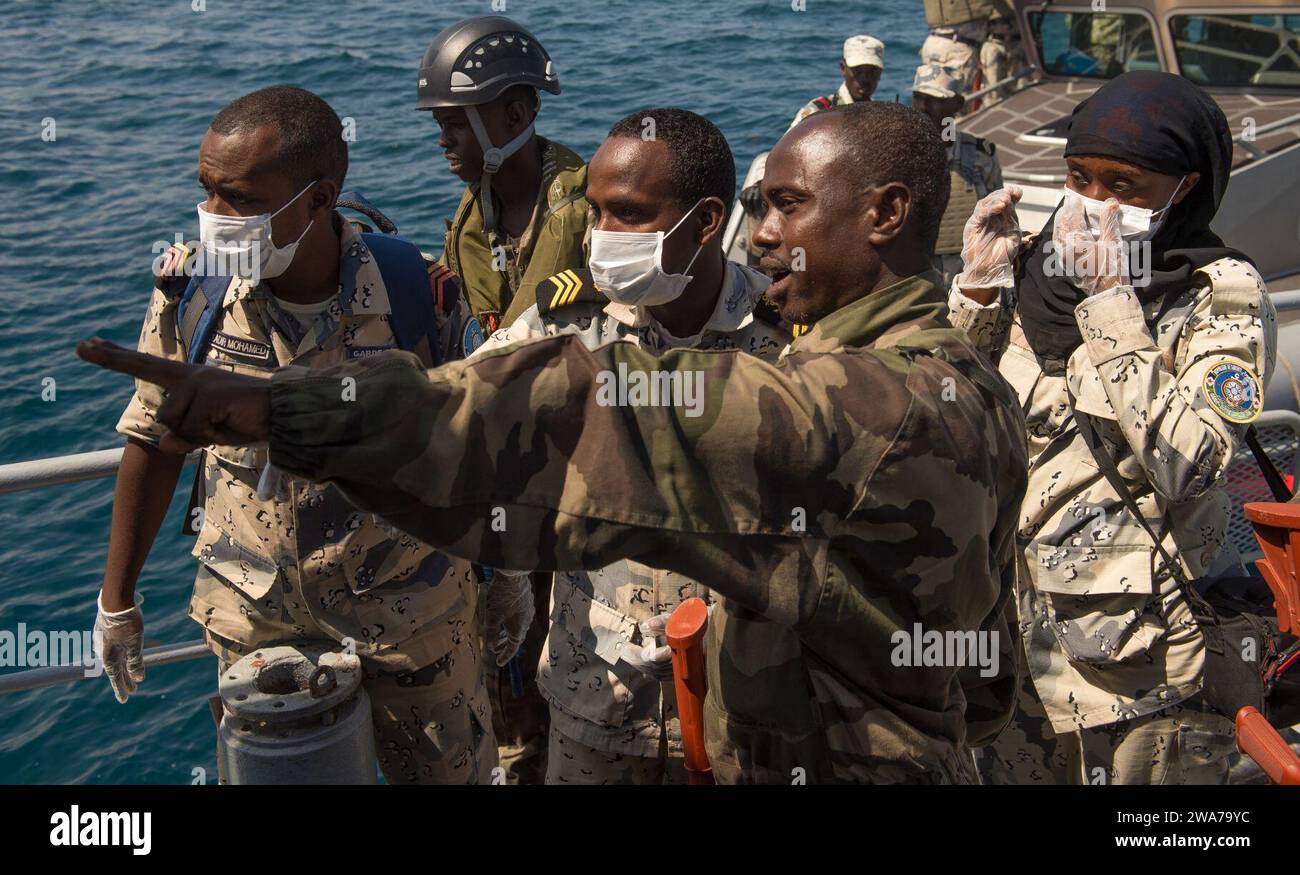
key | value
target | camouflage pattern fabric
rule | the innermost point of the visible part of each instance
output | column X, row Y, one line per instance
column 597, row 702
column 1182, row 744
column 1108, row 635
column 572, row 762
column 304, row 562
column 833, row 500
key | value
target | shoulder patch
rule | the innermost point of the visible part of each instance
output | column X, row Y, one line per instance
column 1234, row 392
column 566, row 288
column 444, row 284
column 472, row 337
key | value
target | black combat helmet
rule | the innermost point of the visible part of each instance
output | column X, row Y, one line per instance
column 473, row 61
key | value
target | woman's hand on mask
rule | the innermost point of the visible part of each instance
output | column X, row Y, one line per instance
column 991, row 241
column 1094, row 263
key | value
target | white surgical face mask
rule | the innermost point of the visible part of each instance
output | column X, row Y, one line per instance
column 234, row 240
column 1136, row 223
column 628, row 266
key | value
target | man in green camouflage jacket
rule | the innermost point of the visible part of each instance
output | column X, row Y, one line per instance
column 854, row 505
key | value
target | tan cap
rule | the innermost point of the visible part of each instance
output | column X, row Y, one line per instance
column 937, row 81
column 863, row 49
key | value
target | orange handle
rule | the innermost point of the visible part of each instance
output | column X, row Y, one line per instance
column 1260, row 741
column 685, row 632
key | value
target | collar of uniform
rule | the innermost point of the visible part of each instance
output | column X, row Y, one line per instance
column 842, row 95
column 358, row 274
column 877, row 316
column 741, row 288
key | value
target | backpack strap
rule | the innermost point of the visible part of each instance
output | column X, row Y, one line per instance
column 411, row 295
column 198, row 313
column 1276, row 484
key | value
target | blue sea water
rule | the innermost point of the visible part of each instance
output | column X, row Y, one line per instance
column 130, row 86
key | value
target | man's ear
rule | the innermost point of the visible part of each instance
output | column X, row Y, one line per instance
column 888, row 212
column 520, row 113
column 323, row 196
column 713, row 216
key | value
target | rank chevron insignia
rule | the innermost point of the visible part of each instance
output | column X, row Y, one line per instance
column 567, row 286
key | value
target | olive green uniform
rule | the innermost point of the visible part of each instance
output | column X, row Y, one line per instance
column 500, row 274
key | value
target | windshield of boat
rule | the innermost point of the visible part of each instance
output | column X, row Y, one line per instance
column 1253, row 50
column 1094, row 44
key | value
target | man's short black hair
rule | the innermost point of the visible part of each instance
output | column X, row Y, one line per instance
column 700, row 161
column 889, row 142
column 311, row 135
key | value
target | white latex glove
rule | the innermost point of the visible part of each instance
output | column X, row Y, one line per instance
column 119, row 645
column 652, row 660
column 1095, row 259
column 990, row 242
column 510, row 611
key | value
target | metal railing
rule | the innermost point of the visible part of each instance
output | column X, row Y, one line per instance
column 74, row 468
column 1001, row 83
column 35, row 678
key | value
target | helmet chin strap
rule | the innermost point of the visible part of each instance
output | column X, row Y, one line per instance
column 493, row 158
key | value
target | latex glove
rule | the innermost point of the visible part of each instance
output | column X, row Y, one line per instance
column 652, row 660
column 1093, row 259
column 510, row 610
column 990, row 242
column 119, row 645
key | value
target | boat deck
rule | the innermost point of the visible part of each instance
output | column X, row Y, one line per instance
column 1041, row 104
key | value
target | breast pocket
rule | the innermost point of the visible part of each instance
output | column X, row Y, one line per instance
column 239, row 568
column 579, row 672
column 1100, row 601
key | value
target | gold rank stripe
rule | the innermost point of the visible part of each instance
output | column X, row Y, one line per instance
column 796, row 329
column 568, row 285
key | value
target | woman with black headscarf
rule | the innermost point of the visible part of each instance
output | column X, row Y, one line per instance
column 1128, row 329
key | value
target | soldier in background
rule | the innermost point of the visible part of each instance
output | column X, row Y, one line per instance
column 861, row 67
column 521, row 219
column 861, row 492
column 959, row 39
column 613, row 707
column 972, row 161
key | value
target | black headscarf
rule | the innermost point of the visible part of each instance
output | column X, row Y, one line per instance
column 1163, row 123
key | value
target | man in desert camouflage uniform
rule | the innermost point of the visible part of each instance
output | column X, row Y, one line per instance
column 1114, row 650
column 973, row 165
column 858, row 493
column 521, row 219
column 861, row 66
column 613, row 711
column 964, row 37
column 281, row 559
